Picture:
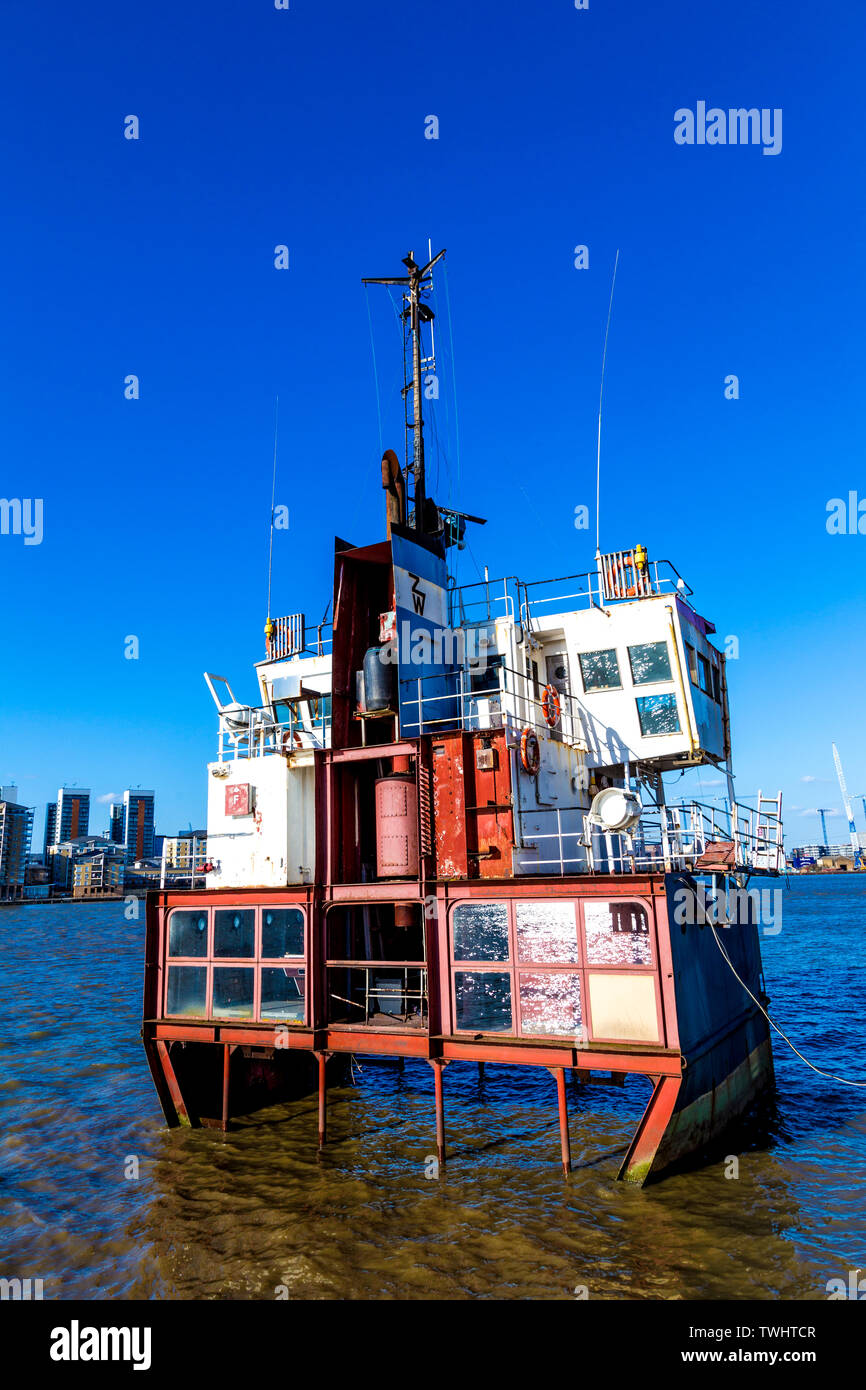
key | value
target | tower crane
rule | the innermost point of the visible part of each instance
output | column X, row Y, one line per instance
column 846, row 802
column 824, row 812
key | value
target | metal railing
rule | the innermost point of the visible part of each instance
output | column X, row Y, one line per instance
column 189, row 868
column 668, row 838
column 511, row 702
column 253, row 732
column 617, row 577
column 290, row 638
column 385, row 983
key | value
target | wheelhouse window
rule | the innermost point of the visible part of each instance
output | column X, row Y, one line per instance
column 692, row 658
column 485, row 679
column 282, row 993
column 658, row 714
column 649, row 662
column 236, row 963
column 600, row 670
column 482, row 1000
column 705, row 673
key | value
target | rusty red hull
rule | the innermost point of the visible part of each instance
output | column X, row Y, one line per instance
column 660, row 1002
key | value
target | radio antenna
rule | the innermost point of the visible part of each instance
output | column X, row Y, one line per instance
column 268, row 624
column 600, row 397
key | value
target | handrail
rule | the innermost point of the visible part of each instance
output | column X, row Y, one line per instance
column 253, row 732
column 526, row 711
column 675, row 839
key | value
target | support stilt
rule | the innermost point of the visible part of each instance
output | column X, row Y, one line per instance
column 182, row 1115
column 638, row 1161
column 563, row 1120
column 227, row 1053
column 322, row 1058
column 440, row 1111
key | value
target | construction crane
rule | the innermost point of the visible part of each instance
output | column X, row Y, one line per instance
column 824, row 812
column 846, row 802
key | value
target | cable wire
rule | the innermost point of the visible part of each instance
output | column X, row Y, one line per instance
column 375, row 371
column 830, row 1075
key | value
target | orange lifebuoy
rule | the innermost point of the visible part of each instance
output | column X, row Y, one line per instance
column 550, row 705
column 290, row 740
column 530, row 751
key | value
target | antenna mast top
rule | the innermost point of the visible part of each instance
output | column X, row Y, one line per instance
column 416, row 312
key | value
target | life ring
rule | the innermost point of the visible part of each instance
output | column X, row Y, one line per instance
column 530, row 751
column 551, row 707
column 290, row 740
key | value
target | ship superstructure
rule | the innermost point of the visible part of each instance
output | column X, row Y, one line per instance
column 442, row 833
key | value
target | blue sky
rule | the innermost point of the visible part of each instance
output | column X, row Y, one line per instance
column 305, row 127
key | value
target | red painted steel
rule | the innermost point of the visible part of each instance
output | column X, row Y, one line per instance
column 565, row 1140
column 472, row 805
column 226, row 1072
column 397, row 827
column 648, row 1135
column 322, row 1059
column 171, row 1081
column 438, row 1066
column 440, row 1044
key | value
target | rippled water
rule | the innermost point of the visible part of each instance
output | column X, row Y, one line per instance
column 252, row 1212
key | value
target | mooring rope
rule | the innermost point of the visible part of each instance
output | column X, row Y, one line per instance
column 843, row 1080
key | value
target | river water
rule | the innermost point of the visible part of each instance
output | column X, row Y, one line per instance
column 100, row 1200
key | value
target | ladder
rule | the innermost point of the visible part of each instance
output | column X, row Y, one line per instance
column 768, row 848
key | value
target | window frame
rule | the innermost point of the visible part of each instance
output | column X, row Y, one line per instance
column 599, row 689
column 660, row 695
column 515, row 967
column 656, row 680
column 255, row 962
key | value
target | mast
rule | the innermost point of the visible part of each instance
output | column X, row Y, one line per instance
column 416, row 312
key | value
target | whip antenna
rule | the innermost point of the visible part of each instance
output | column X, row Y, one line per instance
column 600, row 396
column 269, row 627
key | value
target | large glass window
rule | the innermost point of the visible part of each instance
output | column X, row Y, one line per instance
column 546, row 931
column 271, row 986
column 282, row 993
column 233, row 988
column 187, row 933
column 482, row 1000
column 480, row 931
column 282, row 932
column 649, row 662
column 600, row 670
column 186, row 992
column 500, row 995
column 235, row 932
column 617, row 933
column 658, row 714
column 550, row 1001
